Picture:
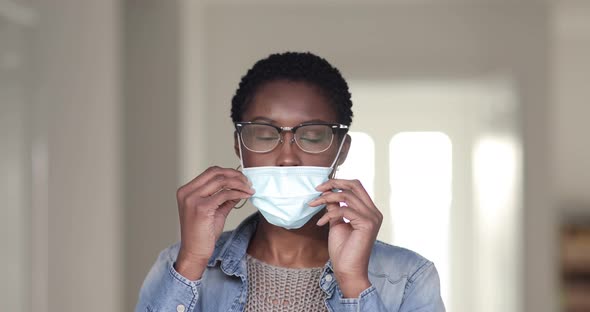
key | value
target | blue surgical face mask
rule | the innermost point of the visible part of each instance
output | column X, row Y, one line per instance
column 283, row 193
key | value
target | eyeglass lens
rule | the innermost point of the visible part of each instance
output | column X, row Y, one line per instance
column 264, row 138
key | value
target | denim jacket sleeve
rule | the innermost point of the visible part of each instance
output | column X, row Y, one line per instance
column 423, row 291
column 422, row 294
column 368, row 300
column 164, row 289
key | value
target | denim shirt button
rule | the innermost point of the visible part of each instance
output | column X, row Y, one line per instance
column 180, row 308
column 329, row 277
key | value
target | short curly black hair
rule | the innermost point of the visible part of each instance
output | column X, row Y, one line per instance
column 299, row 67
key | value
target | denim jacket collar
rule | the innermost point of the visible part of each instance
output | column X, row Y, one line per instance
column 231, row 247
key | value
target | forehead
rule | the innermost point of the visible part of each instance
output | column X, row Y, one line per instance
column 290, row 103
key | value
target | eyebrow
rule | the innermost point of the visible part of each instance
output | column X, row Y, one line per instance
column 271, row 121
column 260, row 118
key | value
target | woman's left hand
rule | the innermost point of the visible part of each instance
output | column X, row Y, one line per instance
column 349, row 244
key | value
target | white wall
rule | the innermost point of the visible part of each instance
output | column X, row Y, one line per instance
column 570, row 75
column 78, row 83
column 152, row 137
column 15, row 162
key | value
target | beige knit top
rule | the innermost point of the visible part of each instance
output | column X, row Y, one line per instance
column 272, row 288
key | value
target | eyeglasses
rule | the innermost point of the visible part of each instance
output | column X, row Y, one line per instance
column 310, row 137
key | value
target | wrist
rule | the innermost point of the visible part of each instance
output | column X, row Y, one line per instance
column 191, row 268
column 352, row 286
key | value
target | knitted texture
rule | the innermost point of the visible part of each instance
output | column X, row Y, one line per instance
column 279, row 289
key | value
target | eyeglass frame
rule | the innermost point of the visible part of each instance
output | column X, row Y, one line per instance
column 334, row 126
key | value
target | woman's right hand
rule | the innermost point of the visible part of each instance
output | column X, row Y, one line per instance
column 203, row 206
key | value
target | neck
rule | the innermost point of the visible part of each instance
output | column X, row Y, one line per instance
column 305, row 247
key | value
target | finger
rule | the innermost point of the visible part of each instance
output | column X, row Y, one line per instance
column 350, row 199
column 334, row 221
column 218, row 200
column 203, row 204
column 331, row 206
column 347, row 197
column 334, row 215
column 337, row 206
column 354, row 185
column 220, row 182
column 207, row 175
column 228, row 206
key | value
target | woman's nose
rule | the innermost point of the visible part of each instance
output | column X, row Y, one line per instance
column 288, row 151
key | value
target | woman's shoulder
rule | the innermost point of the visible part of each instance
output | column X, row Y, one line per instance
column 396, row 261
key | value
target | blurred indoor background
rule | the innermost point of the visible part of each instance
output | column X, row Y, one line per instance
column 470, row 131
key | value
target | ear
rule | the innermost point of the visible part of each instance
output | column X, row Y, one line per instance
column 344, row 151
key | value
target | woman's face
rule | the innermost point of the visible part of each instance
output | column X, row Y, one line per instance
column 288, row 104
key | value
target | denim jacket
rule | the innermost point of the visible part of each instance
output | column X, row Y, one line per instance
column 401, row 280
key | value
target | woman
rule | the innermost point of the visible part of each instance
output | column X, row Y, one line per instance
column 312, row 245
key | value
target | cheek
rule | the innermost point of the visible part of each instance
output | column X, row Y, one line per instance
column 330, row 154
column 257, row 160
column 252, row 159
column 324, row 159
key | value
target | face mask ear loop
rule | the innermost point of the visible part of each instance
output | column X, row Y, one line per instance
column 240, row 149
column 333, row 165
column 238, row 206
